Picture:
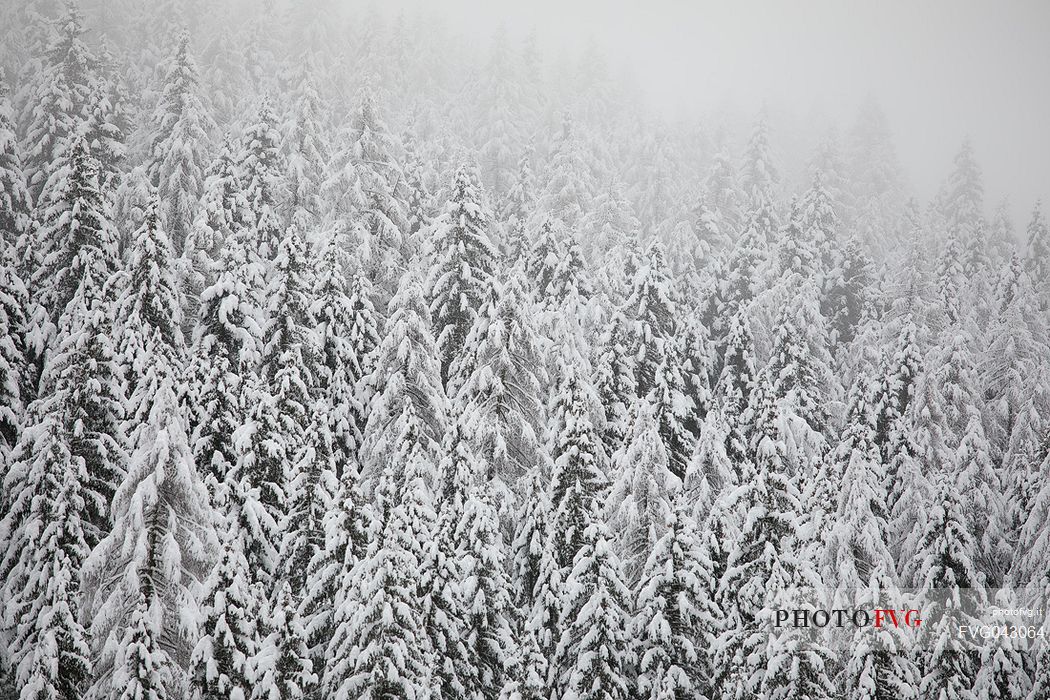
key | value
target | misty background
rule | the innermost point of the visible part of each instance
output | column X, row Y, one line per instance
column 941, row 70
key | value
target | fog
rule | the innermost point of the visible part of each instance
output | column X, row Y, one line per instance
column 941, row 70
column 546, row 349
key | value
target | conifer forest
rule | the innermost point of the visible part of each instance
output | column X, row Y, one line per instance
column 344, row 355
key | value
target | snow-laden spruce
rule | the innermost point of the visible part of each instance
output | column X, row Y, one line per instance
column 141, row 581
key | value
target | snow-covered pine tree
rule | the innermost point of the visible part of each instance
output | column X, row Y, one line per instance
column 565, row 194
column 279, row 442
column 1034, row 534
column 1008, row 283
column 504, row 393
column 688, row 245
column 346, row 530
column 282, row 667
column 962, row 205
column 150, row 311
column 261, row 172
column 15, row 204
column 229, row 617
column 717, row 531
column 406, row 366
column 796, row 256
column 289, row 345
column 616, row 379
column 1002, row 235
column 488, row 613
column 950, row 279
column 1037, row 253
column 723, row 194
column 16, row 374
column 799, row 365
column 518, row 208
column 738, row 374
column 910, row 491
column 595, row 654
column 130, row 199
column 142, row 667
column 419, row 202
column 527, row 675
column 1007, row 371
column 498, row 130
column 19, row 370
column 141, row 579
column 570, row 284
column 875, row 175
column 819, row 220
column 696, row 357
column 543, row 257
column 653, row 310
column 715, row 235
column 85, row 373
column 847, row 293
column 1020, row 475
column 461, row 281
column 855, row 535
column 759, row 176
column 365, row 179
column 179, row 150
column 710, row 470
column 767, row 507
column 952, row 593
column 737, row 284
column 880, row 664
column 108, row 119
column 675, row 410
column 858, row 562
column 365, row 336
column 578, row 480
column 895, row 390
column 223, row 209
column 73, row 215
column 606, row 228
column 443, row 571
column 982, row 483
column 380, row 647
column 642, row 487
column 672, row 613
column 954, row 437
column 630, row 252
column 59, row 100
column 1041, row 676
column 311, row 490
column 227, row 350
column 347, row 330
column 828, row 161
column 531, row 524
column 798, row 663
column 45, row 547
column 576, row 483
column 306, row 151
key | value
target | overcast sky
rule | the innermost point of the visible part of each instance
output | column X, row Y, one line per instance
column 941, row 69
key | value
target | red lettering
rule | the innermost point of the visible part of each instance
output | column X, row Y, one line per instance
column 881, row 614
